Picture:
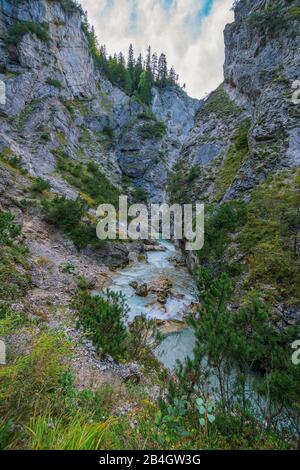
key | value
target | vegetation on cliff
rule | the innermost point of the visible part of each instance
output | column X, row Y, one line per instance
column 14, row 282
column 68, row 216
column 19, row 29
column 135, row 76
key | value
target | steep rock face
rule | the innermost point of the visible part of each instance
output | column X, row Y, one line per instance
column 177, row 109
column 196, row 174
column 262, row 63
column 261, row 67
column 54, row 95
column 59, row 103
column 150, row 144
column 67, row 52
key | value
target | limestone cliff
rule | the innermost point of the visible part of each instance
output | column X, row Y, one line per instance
column 245, row 146
column 262, row 63
column 59, row 103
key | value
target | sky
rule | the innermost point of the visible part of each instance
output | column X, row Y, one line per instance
column 189, row 32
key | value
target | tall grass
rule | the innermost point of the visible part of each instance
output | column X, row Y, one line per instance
column 78, row 434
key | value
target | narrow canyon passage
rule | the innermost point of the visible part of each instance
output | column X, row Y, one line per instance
column 157, row 267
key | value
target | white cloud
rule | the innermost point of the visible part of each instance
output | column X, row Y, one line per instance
column 196, row 50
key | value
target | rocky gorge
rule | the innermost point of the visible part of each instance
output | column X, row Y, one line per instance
column 70, row 139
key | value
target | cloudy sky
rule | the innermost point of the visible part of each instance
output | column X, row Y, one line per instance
column 190, row 32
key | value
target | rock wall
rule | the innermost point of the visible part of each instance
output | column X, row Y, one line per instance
column 147, row 153
column 262, row 63
column 57, row 99
column 54, row 94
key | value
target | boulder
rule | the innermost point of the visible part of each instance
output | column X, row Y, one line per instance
column 134, row 285
column 142, row 290
column 162, row 298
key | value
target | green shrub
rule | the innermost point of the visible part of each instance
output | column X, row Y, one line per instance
column 10, row 320
column 10, row 74
column 27, row 112
column 151, row 130
column 271, row 19
column 220, row 222
column 83, row 283
column 142, row 339
column 170, row 422
column 220, row 104
column 270, row 235
column 92, row 167
column 100, row 188
column 84, row 235
column 194, row 173
column 104, row 320
column 16, row 32
column 70, row 5
column 44, row 138
column 241, row 139
column 294, row 13
column 16, row 162
column 108, row 132
column 53, row 82
column 147, row 116
column 234, row 159
column 69, row 267
column 176, row 183
column 66, row 214
column 140, row 195
column 13, row 282
column 88, row 178
column 13, row 160
column 40, row 185
column 8, row 230
column 228, row 344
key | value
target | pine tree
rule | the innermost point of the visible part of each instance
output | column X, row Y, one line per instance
column 131, row 61
column 162, row 70
column 92, row 41
column 138, row 70
column 118, row 74
column 173, row 76
column 103, row 58
column 154, row 66
column 121, row 59
column 148, row 61
column 145, row 86
column 130, row 77
column 103, row 50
